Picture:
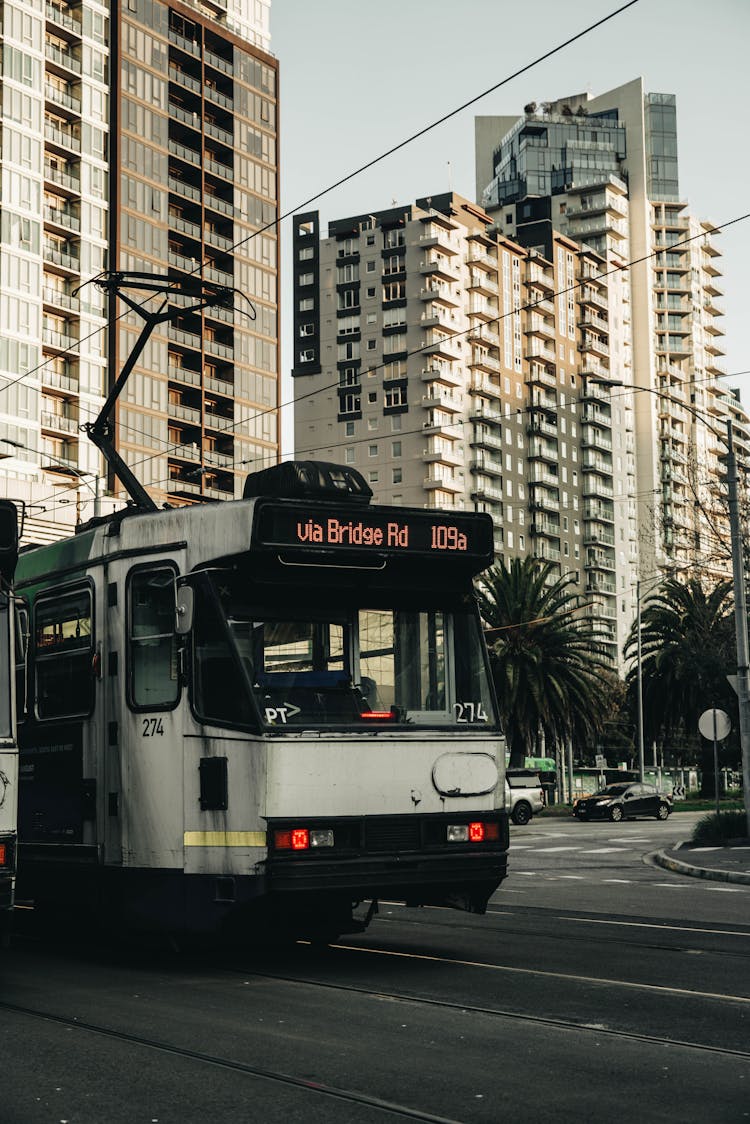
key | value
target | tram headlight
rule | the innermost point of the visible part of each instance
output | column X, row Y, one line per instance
column 321, row 838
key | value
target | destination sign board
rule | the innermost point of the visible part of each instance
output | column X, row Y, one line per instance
column 387, row 530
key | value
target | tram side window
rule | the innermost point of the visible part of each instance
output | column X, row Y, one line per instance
column 63, row 650
column 153, row 679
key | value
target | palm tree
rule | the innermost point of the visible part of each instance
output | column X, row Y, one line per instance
column 547, row 664
column 687, row 650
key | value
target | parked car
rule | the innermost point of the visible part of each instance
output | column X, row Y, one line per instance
column 624, row 802
column 524, row 795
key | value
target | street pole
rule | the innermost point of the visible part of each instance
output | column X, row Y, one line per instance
column 641, row 762
column 740, row 621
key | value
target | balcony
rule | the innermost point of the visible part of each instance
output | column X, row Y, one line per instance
column 184, row 413
column 59, row 59
column 440, row 295
column 592, row 438
column 62, row 99
column 56, row 299
column 483, row 361
column 60, row 423
column 55, row 341
column 444, row 485
column 436, row 398
column 442, row 374
column 482, row 490
column 67, row 181
column 62, row 217
column 440, row 451
column 487, row 466
column 546, row 527
column 439, row 267
column 63, row 17
column 68, row 140
column 484, row 388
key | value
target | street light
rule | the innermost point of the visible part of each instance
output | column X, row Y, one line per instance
column 84, row 476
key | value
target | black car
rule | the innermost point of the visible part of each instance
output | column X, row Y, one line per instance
column 624, row 802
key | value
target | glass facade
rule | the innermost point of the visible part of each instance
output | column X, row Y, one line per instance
column 549, row 154
column 661, row 147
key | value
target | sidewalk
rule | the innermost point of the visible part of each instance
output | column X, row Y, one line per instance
column 730, row 863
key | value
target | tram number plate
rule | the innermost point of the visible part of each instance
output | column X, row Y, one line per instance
column 152, row 727
column 470, row 712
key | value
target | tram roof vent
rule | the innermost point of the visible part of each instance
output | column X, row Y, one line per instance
column 309, row 480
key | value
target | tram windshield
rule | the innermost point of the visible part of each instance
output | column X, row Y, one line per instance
column 322, row 666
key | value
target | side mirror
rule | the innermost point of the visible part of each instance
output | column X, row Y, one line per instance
column 184, row 610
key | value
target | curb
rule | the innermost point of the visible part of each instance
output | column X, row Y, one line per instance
column 659, row 858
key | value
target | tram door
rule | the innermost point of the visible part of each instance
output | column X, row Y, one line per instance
column 150, row 730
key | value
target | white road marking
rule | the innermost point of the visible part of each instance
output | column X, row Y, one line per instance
column 552, row 850
column 623, row 881
column 671, row 885
column 726, row 889
column 577, row 877
column 604, row 850
column 650, row 925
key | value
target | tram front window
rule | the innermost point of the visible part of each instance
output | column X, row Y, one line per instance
column 421, row 667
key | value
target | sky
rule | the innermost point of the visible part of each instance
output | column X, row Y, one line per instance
column 357, row 77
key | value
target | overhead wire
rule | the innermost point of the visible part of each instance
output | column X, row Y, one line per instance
column 363, row 167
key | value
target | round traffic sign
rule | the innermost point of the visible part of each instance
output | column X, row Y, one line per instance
column 714, row 724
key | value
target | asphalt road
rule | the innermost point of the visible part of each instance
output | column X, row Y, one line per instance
column 597, row 987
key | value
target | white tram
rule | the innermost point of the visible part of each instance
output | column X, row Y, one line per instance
column 317, row 730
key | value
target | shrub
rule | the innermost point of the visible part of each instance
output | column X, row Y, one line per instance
column 717, row 827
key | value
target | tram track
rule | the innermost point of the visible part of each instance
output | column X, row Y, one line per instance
column 278, row 1077
column 451, row 1006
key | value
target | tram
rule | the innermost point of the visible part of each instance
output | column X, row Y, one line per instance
column 8, row 744
column 259, row 715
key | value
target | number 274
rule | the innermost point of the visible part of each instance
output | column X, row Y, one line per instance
column 152, row 727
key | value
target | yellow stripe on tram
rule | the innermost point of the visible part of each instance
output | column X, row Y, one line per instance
column 224, row 839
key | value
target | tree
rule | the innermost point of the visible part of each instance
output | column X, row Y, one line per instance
column 687, row 651
column 546, row 661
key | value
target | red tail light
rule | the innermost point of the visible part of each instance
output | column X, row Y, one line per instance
column 378, row 714
column 3, row 854
column 300, row 839
column 476, row 832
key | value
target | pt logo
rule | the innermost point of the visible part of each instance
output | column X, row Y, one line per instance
column 4, row 786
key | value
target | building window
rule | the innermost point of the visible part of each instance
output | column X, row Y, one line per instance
column 307, row 304
column 395, row 396
column 372, row 450
column 372, row 477
column 349, row 429
column 307, row 329
column 371, row 345
column 397, row 476
column 307, row 356
column 306, row 278
column 349, row 454
column 396, row 448
column 306, row 253
column 350, row 404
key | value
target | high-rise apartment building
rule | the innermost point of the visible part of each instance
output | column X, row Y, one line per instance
column 139, row 138
column 604, row 171
column 458, row 369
